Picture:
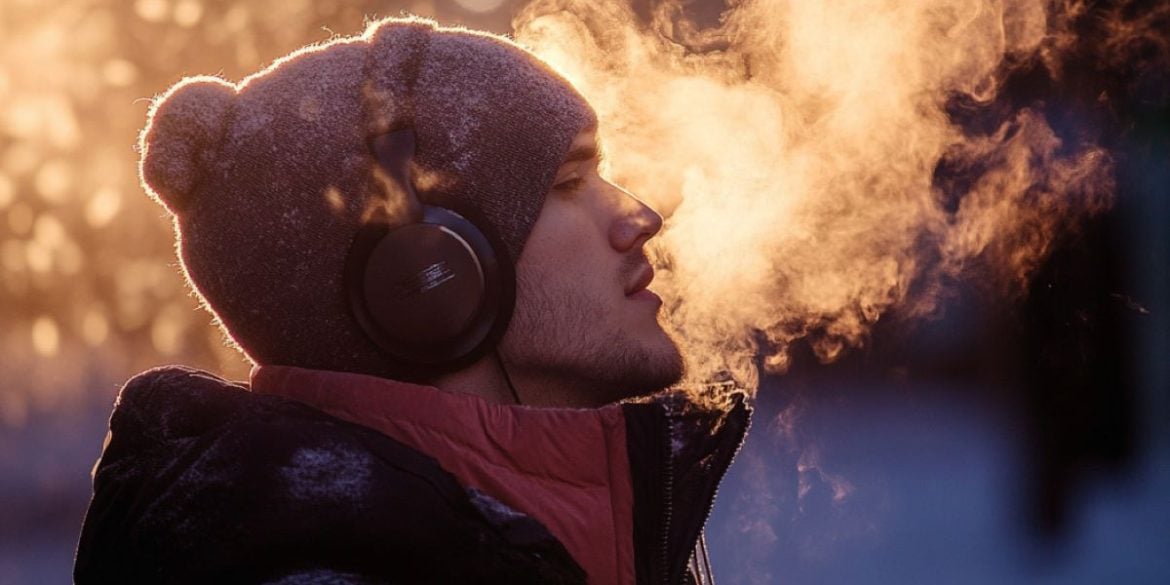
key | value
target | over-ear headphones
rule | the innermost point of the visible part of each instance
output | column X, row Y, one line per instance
column 432, row 294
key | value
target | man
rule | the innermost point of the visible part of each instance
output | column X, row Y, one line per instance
column 407, row 233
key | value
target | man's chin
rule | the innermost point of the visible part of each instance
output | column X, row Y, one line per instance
column 662, row 367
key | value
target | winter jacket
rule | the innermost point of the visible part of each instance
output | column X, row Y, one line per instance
column 325, row 477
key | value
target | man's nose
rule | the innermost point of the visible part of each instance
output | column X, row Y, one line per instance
column 636, row 222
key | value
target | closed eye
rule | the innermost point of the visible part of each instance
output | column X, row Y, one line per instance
column 569, row 185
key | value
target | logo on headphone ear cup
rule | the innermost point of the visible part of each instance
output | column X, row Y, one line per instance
column 430, row 294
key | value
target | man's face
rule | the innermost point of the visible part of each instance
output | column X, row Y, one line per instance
column 585, row 330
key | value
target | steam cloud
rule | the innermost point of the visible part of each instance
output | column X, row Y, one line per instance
column 796, row 149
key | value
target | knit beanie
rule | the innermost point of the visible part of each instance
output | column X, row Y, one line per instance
column 269, row 180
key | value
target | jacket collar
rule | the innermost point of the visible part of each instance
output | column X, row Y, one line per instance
column 568, row 468
column 626, row 488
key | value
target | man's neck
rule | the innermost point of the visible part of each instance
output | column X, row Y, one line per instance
column 482, row 378
column 552, row 389
column 486, row 378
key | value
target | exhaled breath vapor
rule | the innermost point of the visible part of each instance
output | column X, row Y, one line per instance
column 803, row 154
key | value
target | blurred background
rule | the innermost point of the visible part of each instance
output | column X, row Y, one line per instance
column 1019, row 439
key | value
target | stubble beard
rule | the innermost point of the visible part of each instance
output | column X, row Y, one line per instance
column 563, row 337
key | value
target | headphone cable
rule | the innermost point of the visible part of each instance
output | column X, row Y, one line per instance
column 507, row 378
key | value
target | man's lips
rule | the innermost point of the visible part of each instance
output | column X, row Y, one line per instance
column 645, row 274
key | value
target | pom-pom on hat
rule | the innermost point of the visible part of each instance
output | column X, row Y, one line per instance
column 269, row 180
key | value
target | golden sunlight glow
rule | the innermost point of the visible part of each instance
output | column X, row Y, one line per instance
column 102, row 207
column 95, row 328
column 7, row 191
column 12, row 256
column 48, row 232
column 119, row 72
column 20, row 219
column 19, row 158
column 54, row 181
column 166, row 333
column 45, row 336
column 152, row 10
column 480, row 6
column 38, row 257
column 188, row 13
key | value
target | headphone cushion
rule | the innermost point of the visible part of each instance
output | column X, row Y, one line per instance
column 423, row 285
column 432, row 293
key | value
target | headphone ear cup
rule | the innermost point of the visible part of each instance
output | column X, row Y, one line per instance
column 433, row 295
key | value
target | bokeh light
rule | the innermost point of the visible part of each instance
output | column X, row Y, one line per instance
column 481, row 5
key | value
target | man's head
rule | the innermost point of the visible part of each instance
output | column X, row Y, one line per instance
column 270, row 180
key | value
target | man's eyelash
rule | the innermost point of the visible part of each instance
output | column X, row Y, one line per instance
column 570, row 185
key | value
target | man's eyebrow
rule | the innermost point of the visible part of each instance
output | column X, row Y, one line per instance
column 582, row 153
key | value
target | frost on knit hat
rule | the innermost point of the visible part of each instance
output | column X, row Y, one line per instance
column 270, row 179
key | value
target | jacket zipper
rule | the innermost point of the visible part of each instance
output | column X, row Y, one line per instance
column 668, row 493
column 715, row 493
column 664, row 415
column 667, row 501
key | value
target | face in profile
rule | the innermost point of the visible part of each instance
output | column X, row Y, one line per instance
column 586, row 328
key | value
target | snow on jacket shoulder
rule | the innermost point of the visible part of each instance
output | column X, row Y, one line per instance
column 202, row 481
